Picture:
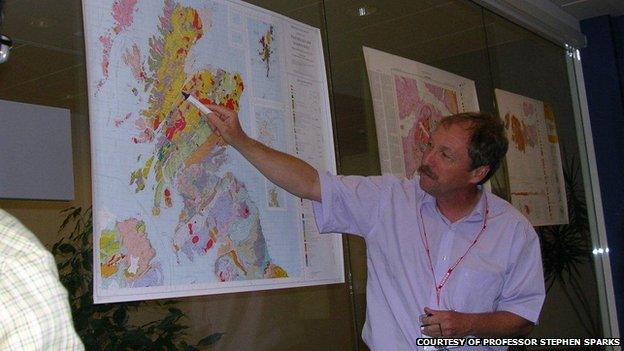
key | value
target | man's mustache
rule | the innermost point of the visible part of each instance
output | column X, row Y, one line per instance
column 426, row 170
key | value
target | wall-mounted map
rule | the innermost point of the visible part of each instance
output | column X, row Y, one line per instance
column 177, row 212
column 409, row 98
column 534, row 163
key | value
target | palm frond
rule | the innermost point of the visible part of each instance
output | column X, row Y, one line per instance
column 567, row 247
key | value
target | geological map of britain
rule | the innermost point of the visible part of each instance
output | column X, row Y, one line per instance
column 175, row 209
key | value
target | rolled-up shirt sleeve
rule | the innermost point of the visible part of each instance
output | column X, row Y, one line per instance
column 523, row 291
column 349, row 204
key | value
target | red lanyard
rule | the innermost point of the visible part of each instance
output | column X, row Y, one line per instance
column 423, row 236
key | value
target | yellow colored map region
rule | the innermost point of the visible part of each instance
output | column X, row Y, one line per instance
column 182, row 135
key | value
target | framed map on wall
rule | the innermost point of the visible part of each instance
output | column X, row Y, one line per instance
column 533, row 161
column 176, row 211
column 409, row 98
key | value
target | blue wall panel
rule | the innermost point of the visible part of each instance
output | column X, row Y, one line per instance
column 603, row 63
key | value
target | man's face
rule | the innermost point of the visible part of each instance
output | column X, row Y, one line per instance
column 446, row 166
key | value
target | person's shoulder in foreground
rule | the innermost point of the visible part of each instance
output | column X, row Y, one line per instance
column 34, row 307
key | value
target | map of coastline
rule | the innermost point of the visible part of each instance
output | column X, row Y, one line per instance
column 217, row 214
column 176, row 211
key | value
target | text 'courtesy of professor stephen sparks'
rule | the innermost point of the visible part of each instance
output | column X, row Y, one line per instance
column 442, row 343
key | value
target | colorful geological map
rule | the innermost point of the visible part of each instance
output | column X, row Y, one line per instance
column 409, row 99
column 533, row 159
column 176, row 207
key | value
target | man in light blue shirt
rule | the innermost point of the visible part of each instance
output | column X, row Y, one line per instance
column 446, row 258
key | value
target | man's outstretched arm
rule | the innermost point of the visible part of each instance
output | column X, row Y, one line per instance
column 288, row 172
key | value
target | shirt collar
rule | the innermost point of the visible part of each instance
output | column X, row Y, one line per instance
column 478, row 212
column 428, row 202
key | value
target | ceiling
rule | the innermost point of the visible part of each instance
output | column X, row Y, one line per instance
column 47, row 60
column 47, row 64
column 582, row 9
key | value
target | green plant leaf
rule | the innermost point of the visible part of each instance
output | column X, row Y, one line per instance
column 70, row 215
column 66, row 248
column 210, row 339
column 120, row 317
column 175, row 312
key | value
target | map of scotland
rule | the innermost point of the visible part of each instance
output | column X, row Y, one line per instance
column 176, row 211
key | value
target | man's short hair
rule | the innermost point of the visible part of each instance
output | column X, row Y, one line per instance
column 488, row 142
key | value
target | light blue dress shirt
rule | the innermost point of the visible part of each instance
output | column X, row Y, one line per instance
column 502, row 272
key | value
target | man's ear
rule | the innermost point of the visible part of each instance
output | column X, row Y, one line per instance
column 479, row 173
